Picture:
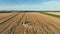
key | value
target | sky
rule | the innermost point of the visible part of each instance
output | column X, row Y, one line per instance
column 39, row 5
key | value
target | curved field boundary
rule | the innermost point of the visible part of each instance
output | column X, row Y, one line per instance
column 51, row 14
column 56, row 13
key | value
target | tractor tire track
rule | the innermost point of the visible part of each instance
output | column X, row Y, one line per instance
column 5, row 22
column 12, row 29
column 6, row 17
column 18, row 23
column 9, row 26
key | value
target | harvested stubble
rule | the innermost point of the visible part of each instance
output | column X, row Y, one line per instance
column 30, row 23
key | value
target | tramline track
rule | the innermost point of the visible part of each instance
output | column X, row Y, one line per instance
column 18, row 23
column 9, row 26
column 6, row 19
column 4, row 23
column 5, row 15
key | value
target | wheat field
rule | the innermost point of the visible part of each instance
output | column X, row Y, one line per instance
column 28, row 23
column 55, row 13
